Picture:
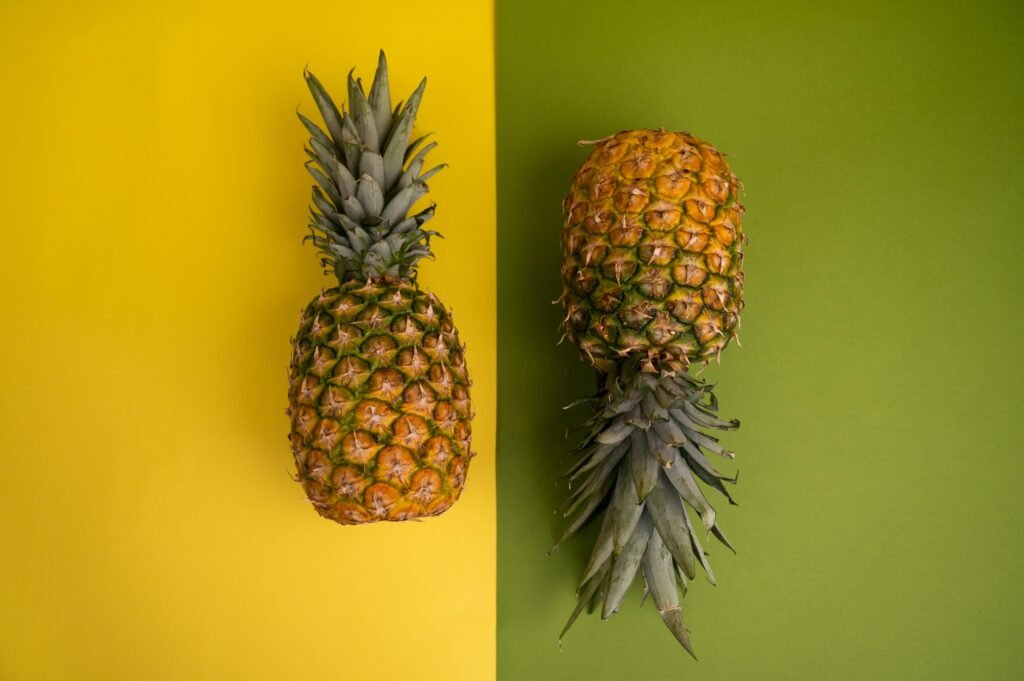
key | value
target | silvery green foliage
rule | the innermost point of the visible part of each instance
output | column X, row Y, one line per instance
column 641, row 464
column 369, row 176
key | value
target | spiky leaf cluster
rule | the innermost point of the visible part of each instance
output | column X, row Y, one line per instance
column 643, row 461
column 369, row 176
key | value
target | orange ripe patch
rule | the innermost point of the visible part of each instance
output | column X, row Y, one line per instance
column 346, row 306
column 687, row 306
column 732, row 317
column 717, row 188
column 437, row 451
column 425, row 486
column 427, row 311
column 457, row 472
column 692, row 237
column 463, row 430
column 713, row 158
column 317, row 493
column 631, row 199
column 346, row 336
column 598, row 222
column 359, row 447
column 350, row 371
column 619, row 265
column 375, row 416
column 672, row 186
column 460, row 395
column 335, row 400
column 640, row 165
column 298, row 447
column 320, row 325
column 405, row 509
column 441, row 378
column 687, row 159
column 700, row 210
column 413, row 360
column 602, row 189
column 613, row 152
column 348, row 513
column 659, row 139
column 584, row 175
column 327, row 434
column 725, row 233
column 689, row 274
column 411, row 431
column 405, row 329
column 708, row 327
column 457, row 361
column 716, row 294
column 349, row 482
column 386, row 383
column 656, row 251
column 625, row 233
column 572, row 241
column 372, row 317
column 435, row 345
column 308, row 390
column 379, row 348
column 577, row 212
column 395, row 464
column 398, row 299
column 439, row 505
column 318, row 465
column 445, row 416
column 379, row 498
column 718, row 261
column 419, row 398
column 322, row 359
column 305, row 420
column 663, row 219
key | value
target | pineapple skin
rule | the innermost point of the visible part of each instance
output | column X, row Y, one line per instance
column 379, row 403
column 652, row 251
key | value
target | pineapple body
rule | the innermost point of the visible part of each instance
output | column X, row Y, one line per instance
column 379, row 404
column 652, row 250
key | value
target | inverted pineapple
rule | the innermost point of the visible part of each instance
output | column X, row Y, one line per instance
column 378, row 387
column 652, row 273
column 652, row 250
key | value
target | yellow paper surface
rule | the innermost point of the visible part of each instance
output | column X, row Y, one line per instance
column 153, row 203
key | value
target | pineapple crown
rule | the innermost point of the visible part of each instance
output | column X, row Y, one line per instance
column 368, row 177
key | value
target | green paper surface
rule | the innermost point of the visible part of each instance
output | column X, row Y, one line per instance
column 879, row 385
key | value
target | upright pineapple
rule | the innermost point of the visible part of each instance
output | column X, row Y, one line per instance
column 378, row 387
column 651, row 267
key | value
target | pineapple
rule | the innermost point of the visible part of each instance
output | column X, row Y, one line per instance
column 652, row 250
column 378, row 386
column 652, row 253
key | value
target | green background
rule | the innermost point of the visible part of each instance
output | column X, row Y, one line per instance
column 879, row 384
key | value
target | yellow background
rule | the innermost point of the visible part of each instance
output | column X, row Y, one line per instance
column 153, row 202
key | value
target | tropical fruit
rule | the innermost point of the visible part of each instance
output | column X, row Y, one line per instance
column 652, row 250
column 652, row 253
column 378, row 387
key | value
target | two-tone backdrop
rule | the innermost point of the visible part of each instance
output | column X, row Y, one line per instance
column 153, row 203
